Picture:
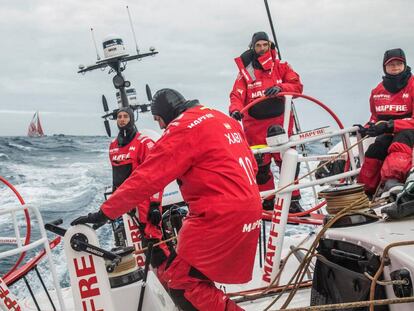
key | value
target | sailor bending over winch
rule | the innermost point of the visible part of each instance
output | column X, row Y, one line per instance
column 389, row 159
column 207, row 153
column 126, row 153
column 262, row 74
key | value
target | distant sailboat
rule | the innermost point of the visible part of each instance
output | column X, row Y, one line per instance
column 35, row 128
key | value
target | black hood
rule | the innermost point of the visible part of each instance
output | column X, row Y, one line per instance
column 169, row 104
column 392, row 54
column 127, row 132
column 395, row 83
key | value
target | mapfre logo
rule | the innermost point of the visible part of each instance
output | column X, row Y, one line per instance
column 391, row 108
column 200, row 119
column 377, row 96
column 254, row 84
column 405, row 95
column 121, row 157
column 5, row 298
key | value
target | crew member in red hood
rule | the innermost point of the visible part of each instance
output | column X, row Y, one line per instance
column 389, row 159
column 126, row 153
column 261, row 74
column 207, row 153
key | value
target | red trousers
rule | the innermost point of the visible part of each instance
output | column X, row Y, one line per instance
column 191, row 290
column 389, row 157
column 264, row 177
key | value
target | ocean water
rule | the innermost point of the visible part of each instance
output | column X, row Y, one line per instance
column 65, row 177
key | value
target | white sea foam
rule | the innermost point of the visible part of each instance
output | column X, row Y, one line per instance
column 21, row 147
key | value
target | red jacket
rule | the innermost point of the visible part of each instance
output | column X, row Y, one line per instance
column 125, row 160
column 251, row 84
column 397, row 106
column 208, row 153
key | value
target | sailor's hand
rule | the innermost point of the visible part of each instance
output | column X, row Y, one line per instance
column 92, row 218
column 362, row 130
column 272, row 91
column 380, row 127
column 236, row 115
column 154, row 215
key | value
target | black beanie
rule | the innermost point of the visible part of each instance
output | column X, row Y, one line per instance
column 261, row 35
column 167, row 104
column 394, row 54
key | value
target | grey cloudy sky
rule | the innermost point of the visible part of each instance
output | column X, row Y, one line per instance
column 335, row 45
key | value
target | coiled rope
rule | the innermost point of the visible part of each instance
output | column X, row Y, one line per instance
column 338, row 199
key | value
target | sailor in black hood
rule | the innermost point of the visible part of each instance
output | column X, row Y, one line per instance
column 126, row 125
column 397, row 73
column 126, row 153
column 389, row 158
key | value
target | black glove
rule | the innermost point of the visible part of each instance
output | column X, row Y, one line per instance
column 236, row 115
column 92, row 218
column 362, row 130
column 272, row 91
column 154, row 215
column 380, row 127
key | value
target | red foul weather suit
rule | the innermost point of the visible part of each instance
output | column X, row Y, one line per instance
column 390, row 156
column 207, row 151
column 124, row 161
column 250, row 85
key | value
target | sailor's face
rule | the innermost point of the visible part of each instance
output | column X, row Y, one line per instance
column 160, row 121
column 261, row 47
column 394, row 67
column 122, row 119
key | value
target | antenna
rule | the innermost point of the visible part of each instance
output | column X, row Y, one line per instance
column 133, row 31
column 272, row 28
column 94, row 43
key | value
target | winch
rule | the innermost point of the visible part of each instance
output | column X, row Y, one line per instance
column 126, row 272
column 342, row 196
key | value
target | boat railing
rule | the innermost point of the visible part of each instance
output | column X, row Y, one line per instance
column 344, row 133
column 288, row 183
column 42, row 241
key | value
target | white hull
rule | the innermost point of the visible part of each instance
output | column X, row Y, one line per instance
column 157, row 299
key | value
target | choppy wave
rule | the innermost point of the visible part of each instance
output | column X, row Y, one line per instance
column 64, row 177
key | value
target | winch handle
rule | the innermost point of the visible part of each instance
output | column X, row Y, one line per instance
column 54, row 227
column 79, row 243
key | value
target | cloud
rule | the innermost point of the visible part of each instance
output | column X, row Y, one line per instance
column 336, row 46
